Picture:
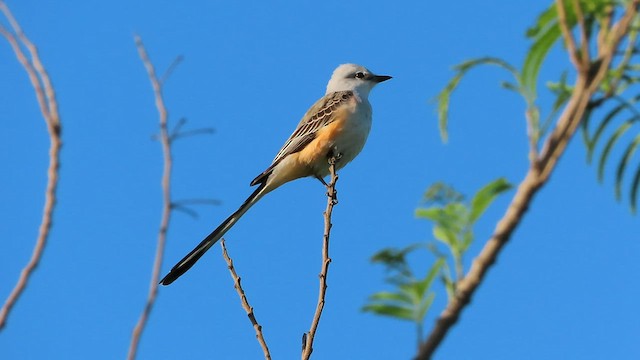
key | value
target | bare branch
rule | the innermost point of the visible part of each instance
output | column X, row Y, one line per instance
column 554, row 146
column 245, row 302
column 572, row 48
column 332, row 200
column 584, row 40
column 166, row 197
column 45, row 94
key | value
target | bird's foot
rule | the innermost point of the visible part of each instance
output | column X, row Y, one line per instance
column 322, row 180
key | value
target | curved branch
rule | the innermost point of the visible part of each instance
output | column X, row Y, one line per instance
column 166, row 197
column 49, row 107
column 537, row 175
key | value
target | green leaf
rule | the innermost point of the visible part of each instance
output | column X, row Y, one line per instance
column 412, row 290
column 485, row 196
column 444, row 97
column 416, row 290
column 434, row 214
column 424, row 307
column 456, row 217
column 441, row 193
column 563, row 93
column 535, row 57
column 387, row 296
column 449, row 286
column 510, row 86
column 431, row 275
column 445, row 235
column 545, row 20
column 467, row 239
column 606, row 121
column 584, row 125
column 399, row 312
column 545, row 33
column 622, row 165
column 425, row 284
column 633, row 196
column 393, row 256
column 612, row 141
column 452, row 217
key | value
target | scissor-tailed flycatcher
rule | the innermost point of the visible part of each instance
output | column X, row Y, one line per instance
column 336, row 125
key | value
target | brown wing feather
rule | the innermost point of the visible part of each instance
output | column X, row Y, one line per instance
column 318, row 116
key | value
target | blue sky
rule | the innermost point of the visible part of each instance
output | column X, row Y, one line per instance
column 564, row 287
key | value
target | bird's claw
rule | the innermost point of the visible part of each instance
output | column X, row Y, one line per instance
column 333, row 196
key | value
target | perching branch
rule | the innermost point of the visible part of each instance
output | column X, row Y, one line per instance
column 166, row 197
column 587, row 83
column 332, row 199
column 245, row 302
column 46, row 97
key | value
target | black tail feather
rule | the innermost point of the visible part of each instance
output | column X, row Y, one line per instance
column 188, row 261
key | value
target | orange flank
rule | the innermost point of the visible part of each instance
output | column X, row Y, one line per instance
column 319, row 148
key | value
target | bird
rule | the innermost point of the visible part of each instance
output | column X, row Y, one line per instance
column 336, row 126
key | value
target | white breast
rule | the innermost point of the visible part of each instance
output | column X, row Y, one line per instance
column 355, row 133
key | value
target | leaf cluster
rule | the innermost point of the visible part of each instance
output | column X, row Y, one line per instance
column 453, row 221
column 619, row 87
column 614, row 129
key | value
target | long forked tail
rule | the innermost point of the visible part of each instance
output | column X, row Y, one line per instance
column 188, row 261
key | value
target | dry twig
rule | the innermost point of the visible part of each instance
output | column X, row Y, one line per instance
column 245, row 303
column 586, row 85
column 49, row 107
column 166, row 196
column 332, row 199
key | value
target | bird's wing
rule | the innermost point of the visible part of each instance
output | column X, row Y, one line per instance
column 321, row 114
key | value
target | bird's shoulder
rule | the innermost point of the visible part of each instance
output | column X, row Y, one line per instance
column 327, row 104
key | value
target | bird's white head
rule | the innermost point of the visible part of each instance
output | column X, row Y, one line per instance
column 355, row 78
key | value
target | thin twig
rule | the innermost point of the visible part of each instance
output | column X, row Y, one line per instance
column 584, row 39
column 185, row 209
column 555, row 145
column 166, row 199
column 170, row 69
column 193, row 132
column 332, row 200
column 533, row 133
column 182, row 205
column 184, row 202
column 245, row 303
column 605, row 23
column 572, row 48
column 46, row 96
column 177, row 132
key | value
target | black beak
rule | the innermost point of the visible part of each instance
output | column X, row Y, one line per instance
column 380, row 78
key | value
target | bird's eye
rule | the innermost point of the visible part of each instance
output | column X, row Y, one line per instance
column 359, row 75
